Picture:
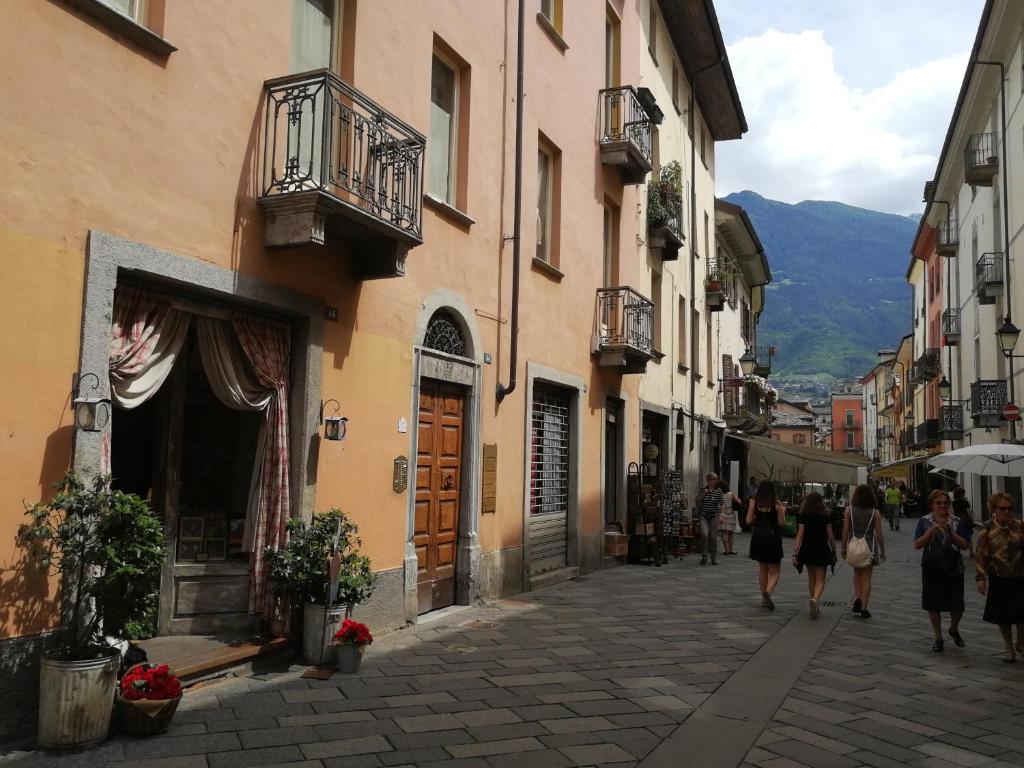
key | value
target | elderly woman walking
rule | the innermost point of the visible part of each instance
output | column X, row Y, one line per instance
column 942, row 535
column 861, row 525
column 999, row 566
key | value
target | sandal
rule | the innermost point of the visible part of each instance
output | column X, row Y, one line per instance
column 856, row 605
column 937, row 646
column 959, row 641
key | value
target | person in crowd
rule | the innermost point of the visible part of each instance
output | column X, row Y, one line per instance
column 999, row 572
column 861, row 520
column 941, row 535
column 962, row 510
column 814, row 547
column 766, row 516
column 728, row 525
column 709, row 503
column 893, row 503
column 751, row 488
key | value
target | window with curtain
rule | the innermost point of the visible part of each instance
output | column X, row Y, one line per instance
column 545, row 173
column 313, row 34
column 443, row 133
column 552, row 11
column 130, row 8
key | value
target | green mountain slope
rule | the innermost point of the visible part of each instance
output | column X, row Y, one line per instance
column 838, row 291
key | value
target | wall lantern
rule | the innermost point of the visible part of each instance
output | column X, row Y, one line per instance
column 1007, row 335
column 747, row 362
column 92, row 412
column 335, row 426
column 945, row 389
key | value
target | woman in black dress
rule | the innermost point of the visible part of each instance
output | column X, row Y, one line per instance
column 766, row 515
column 999, row 567
column 814, row 547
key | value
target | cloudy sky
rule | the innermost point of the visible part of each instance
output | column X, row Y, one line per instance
column 846, row 100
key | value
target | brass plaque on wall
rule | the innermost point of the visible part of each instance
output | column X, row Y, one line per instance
column 400, row 476
column 490, row 479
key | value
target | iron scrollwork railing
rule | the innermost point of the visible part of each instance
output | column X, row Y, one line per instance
column 951, row 321
column 988, row 396
column 322, row 134
column 981, row 151
column 623, row 118
column 928, row 432
column 989, row 270
column 625, row 318
column 927, row 366
column 949, row 234
column 951, row 420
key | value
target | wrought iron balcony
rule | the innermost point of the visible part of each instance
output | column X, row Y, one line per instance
column 948, row 237
column 339, row 170
column 988, row 277
column 883, row 433
column 951, row 422
column 927, row 367
column 850, row 426
column 623, row 329
column 625, row 133
column 951, row 326
column 927, row 433
column 716, row 288
column 907, row 438
column 981, row 159
column 988, row 397
column 763, row 359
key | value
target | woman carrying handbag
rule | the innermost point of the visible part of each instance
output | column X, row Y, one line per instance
column 999, row 567
column 942, row 535
column 863, row 545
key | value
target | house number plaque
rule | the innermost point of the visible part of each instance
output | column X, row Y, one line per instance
column 400, row 478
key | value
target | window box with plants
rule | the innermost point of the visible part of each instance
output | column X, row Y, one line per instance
column 108, row 548
column 714, row 290
column 664, row 212
column 321, row 570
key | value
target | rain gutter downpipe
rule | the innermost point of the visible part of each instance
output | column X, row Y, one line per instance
column 502, row 390
column 949, row 299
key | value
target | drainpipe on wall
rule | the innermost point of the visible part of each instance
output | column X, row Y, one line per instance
column 502, row 390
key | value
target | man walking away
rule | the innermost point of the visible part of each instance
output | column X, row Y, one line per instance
column 709, row 503
column 893, row 501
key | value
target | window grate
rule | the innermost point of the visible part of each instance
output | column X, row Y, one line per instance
column 549, row 456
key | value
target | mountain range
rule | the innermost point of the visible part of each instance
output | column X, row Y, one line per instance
column 838, row 292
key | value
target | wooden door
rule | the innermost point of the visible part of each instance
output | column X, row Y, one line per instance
column 438, row 485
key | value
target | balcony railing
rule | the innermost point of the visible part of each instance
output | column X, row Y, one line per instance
column 763, row 359
column 718, row 283
column 948, row 237
column 624, row 323
column 951, row 422
column 951, row 326
column 981, row 159
column 926, row 367
column 625, row 134
column 883, row 433
column 927, row 433
column 907, row 439
column 850, row 426
column 988, row 397
column 988, row 277
column 331, row 153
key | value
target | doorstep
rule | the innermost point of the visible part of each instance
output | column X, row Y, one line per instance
column 550, row 578
column 194, row 658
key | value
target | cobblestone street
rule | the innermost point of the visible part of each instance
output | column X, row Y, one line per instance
column 630, row 666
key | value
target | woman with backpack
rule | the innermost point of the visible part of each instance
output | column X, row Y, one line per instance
column 766, row 516
column 942, row 535
column 863, row 545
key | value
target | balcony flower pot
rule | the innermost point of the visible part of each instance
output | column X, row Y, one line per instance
column 146, row 700
column 351, row 641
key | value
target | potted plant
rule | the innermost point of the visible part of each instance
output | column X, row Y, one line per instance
column 351, row 641
column 108, row 547
column 664, row 208
column 146, row 699
column 320, row 569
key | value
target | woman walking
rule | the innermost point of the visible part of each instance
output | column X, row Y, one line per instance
column 766, row 515
column 814, row 547
column 999, row 566
column 942, row 535
column 860, row 521
column 728, row 525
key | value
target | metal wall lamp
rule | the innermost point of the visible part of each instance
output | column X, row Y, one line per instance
column 335, row 426
column 1007, row 336
column 747, row 362
column 92, row 412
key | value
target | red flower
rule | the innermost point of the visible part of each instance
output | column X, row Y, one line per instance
column 149, row 681
column 353, row 633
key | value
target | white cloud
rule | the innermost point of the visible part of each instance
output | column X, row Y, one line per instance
column 812, row 136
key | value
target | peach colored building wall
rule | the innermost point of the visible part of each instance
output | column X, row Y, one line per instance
column 842, row 405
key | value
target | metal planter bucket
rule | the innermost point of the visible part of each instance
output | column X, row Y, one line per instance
column 319, row 623
column 75, row 700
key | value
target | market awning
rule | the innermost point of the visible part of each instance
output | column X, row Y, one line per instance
column 901, row 468
column 789, row 463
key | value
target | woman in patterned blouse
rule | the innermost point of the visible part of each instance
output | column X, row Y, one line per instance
column 999, row 562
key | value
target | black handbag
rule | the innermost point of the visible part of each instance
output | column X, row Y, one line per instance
column 941, row 559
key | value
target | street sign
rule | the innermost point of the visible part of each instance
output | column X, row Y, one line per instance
column 1011, row 412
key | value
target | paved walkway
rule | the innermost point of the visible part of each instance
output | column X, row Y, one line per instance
column 672, row 666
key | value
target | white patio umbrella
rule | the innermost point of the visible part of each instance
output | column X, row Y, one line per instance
column 1001, row 459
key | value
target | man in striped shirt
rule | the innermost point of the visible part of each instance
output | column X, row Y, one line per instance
column 709, row 504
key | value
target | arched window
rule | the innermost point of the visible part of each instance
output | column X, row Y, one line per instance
column 444, row 335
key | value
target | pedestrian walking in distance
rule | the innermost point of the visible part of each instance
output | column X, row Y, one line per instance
column 814, row 548
column 728, row 525
column 962, row 509
column 893, row 503
column 941, row 536
column 999, row 572
column 766, row 515
column 863, row 545
column 709, row 502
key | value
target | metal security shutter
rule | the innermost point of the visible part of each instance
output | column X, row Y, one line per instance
column 549, row 477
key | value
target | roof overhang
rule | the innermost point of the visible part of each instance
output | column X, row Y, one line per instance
column 693, row 27
column 735, row 226
column 901, row 468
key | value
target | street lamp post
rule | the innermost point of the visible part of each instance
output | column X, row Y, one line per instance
column 1007, row 336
